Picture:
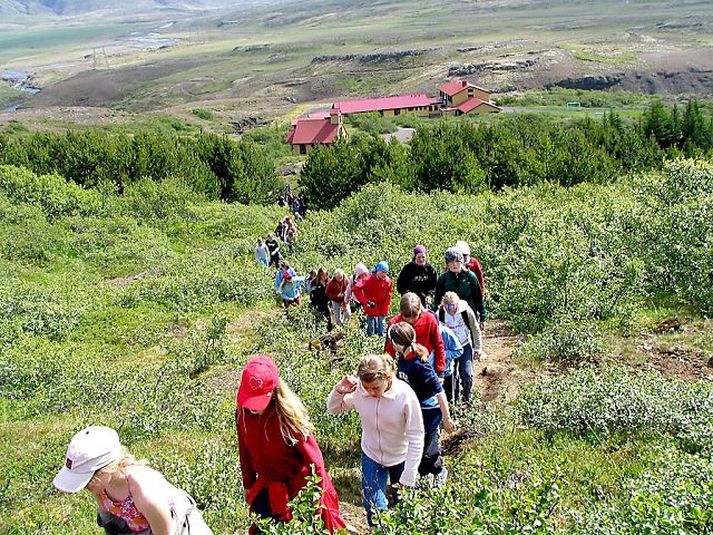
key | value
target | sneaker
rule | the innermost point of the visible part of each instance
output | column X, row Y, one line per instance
column 441, row 477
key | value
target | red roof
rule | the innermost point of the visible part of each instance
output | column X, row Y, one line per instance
column 456, row 86
column 312, row 131
column 472, row 103
column 383, row 103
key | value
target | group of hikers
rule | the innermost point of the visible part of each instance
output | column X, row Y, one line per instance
column 401, row 395
column 269, row 251
column 294, row 202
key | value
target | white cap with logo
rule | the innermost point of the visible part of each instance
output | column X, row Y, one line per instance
column 91, row 449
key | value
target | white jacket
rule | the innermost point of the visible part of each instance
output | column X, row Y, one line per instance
column 392, row 425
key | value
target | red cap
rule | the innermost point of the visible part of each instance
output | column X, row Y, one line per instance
column 257, row 387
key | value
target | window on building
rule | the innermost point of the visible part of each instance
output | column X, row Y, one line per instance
column 397, row 111
column 303, row 149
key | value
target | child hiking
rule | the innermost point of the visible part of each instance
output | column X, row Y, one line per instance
column 392, row 428
column 130, row 496
column 374, row 294
column 415, row 369
column 455, row 314
column 277, row 447
column 426, row 328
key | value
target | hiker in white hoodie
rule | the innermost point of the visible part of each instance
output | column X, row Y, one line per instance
column 392, row 428
column 456, row 314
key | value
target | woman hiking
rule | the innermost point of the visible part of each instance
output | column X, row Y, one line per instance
column 318, row 296
column 463, row 282
column 415, row 369
column 336, row 292
column 131, row 497
column 262, row 253
column 277, row 447
column 419, row 277
column 392, row 428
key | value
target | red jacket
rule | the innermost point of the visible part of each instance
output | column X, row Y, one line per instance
column 268, row 463
column 426, row 327
column 376, row 290
column 475, row 267
column 334, row 288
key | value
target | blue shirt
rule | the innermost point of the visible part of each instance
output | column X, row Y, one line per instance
column 423, row 380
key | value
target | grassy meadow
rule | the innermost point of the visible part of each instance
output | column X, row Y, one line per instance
column 138, row 310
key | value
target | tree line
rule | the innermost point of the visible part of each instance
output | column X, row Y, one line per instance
column 468, row 157
column 215, row 166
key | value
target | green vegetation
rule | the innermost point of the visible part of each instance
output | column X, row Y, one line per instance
column 135, row 309
column 469, row 156
column 211, row 165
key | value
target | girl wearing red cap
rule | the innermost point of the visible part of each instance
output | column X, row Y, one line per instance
column 277, row 447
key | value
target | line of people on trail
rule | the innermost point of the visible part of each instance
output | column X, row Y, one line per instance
column 296, row 203
column 402, row 397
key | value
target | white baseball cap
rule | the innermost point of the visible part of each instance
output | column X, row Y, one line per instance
column 462, row 247
column 91, row 449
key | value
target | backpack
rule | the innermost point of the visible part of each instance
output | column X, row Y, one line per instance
column 463, row 314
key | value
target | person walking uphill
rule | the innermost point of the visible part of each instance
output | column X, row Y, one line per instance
column 336, row 292
column 374, row 294
column 131, row 497
column 418, row 276
column 392, row 428
column 463, row 282
column 426, row 328
column 415, row 369
column 277, row 447
column 274, row 248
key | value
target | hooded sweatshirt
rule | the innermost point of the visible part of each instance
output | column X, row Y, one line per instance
column 426, row 327
column 392, row 425
column 466, row 285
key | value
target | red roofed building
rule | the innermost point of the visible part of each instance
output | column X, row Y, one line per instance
column 316, row 129
column 422, row 105
column 455, row 93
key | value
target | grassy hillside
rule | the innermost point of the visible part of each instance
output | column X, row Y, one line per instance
column 148, row 304
column 259, row 60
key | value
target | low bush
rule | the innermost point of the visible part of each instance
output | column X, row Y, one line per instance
column 614, row 400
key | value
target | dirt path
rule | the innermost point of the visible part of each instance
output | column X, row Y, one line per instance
column 496, row 377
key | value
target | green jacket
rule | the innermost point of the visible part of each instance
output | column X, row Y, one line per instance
column 466, row 285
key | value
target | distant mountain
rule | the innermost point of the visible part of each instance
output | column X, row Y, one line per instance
column 28, row 11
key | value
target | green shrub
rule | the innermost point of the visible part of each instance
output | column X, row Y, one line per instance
column 613, row 400
column 566, row 340
column 203, row 113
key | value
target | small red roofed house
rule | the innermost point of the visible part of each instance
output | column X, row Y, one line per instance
column 421, row 105
column 460, row 97
column 321, row 128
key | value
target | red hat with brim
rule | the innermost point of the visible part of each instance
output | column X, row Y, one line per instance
column 258, row 384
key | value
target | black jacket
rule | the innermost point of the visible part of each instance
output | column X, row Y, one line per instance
column 420, row 280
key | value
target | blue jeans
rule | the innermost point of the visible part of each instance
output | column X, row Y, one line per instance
column 463, row 374
column 373, row 484
column 375, row 325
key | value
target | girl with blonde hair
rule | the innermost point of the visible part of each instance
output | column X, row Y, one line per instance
column 392, row 428
column 277, row 447
column 131, row 497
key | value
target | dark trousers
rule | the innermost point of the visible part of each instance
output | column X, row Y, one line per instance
column 431, row 461
column 463, row 375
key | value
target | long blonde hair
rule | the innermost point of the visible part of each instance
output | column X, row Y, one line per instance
column 292, row 415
